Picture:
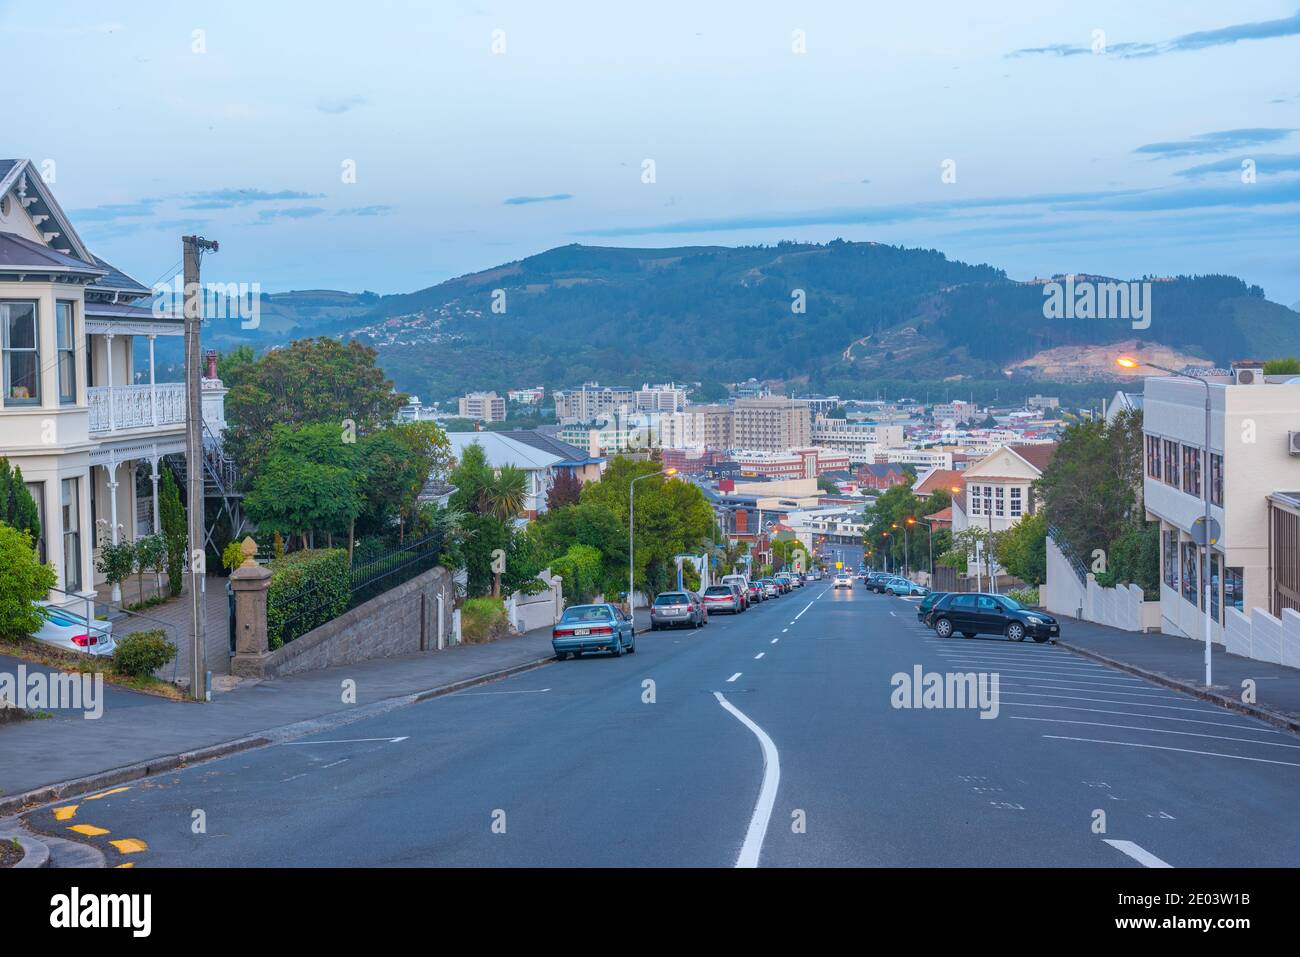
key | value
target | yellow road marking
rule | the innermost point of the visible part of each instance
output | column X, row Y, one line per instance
column 65, row 813
column 130, row 845
column 104, row 794
column 89, row 830
column 127, row 864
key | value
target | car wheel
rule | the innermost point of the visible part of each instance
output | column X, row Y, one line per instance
column 577, row 654
column 631, row 649
column 943, row 628
column 968, row 634
column 561, row 655
column 617, row 650
column 1015, row 631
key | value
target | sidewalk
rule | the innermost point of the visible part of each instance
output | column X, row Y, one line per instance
column 137, row 728
column 1180, row 662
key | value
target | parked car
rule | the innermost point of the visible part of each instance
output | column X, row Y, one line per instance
column 593, row 628
column 783, row 582
column 876, row 581
column 976, row 613
column 755, row 592
column 741, row 582
column 843, row 580
column 674, row 608
column 723, row 598
column 902, row 586
column 69, row 631
column 770, row 588
column 928, row 602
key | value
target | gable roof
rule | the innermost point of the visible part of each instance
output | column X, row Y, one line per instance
column 117, row 280
column 1039, row 456
column 569, row 453
column 21, row 172
column 501, row 450
column 936, row 479
column 18, row 253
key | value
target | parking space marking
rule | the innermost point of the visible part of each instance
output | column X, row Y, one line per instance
column 1161, row 747
column 1137, row 714
column 1139, row 854
column 1129, row 727
column 1129, row 704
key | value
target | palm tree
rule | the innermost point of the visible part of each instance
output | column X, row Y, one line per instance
column 504, row 497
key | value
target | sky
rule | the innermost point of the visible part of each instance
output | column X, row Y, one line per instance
column 389, row 145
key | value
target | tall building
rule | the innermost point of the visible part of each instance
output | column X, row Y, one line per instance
column 661, row 398
column 858, row 441
column 591, row 401
column 774, row 423
column 954, row 411
column 484, row 406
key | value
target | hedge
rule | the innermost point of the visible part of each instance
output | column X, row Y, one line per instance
column 141, row 653
column 308, row 588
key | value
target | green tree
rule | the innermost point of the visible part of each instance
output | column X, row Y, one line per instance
column 150, row 555
column 17, row 507
column 171, row 516
column 310, row 482
column 504, row 497
column 309, row 381
column 1022, row 549
column 231, row 364
column 23, row 582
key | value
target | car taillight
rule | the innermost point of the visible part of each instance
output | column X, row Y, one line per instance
column 83, row 641
column 602, row 631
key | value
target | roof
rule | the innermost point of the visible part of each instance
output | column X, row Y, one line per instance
column 569, row 453
column 17, row 252
column 937, row 479
column 502, row 450
column 1039, row 456
column 128, row 310
column 943, row 515
column 881, row 469
column 116, row 279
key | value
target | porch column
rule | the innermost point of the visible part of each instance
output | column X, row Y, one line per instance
column 108, row 365
column 153, row 402
column 112, row 497
column 153, row 476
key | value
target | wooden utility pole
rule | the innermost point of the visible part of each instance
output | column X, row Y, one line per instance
column 193, row 248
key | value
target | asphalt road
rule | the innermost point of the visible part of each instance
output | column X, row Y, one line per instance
column 771, row 738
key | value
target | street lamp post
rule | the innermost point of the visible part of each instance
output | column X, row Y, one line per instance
column 631, row 535
column 1127, row 362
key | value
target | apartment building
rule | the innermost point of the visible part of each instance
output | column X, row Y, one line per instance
column 860, row 442
column 1249, row 473
column 954, row 411
column 483, row 406
column 922, row 459
column 791, row 464
column 774, row 424
column 591, row 402
column 660, row 398
column 87, row 435
column 534, row 396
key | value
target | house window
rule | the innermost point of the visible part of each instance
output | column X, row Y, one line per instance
column 1000, row 492
column 1192, row 470
column 37, row 490
column 20, row 341
column 1191, row 569
column 1017, row 505
column 1153, row 457
column 71, row 534
column 974, row 499
column 1171, row 558
column 65, row 334
column 1216, row 479
column 1171, row 463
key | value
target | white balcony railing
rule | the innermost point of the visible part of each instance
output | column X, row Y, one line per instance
column 129, row 407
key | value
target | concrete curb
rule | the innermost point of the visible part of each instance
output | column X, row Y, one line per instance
column 35, row 853
column 17, row 803
column 1276, row 718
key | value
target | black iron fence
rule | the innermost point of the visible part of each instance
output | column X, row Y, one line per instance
column 375, row 569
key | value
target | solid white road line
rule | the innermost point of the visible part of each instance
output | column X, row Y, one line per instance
column 1127, row 704
column 805, row 608
column 1161, row 747
column 1149, row 717
column 1141, row 855
column 735, row 676
column 753, row 846
column 759, row 655
column 349, row 741
column 1131, row 727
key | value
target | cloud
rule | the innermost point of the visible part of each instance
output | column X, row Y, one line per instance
column 365, row 211
column 525, row 200
column 1219, row 142
column 114, row 211
column 1264, row 163
column 293, row 212
column 1204, row 39
column 230, row 198
column 339, row 104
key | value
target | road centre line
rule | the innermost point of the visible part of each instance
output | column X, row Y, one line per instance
column 759, row 655
column 805, row 608
column 757, row 831
column 735, row 676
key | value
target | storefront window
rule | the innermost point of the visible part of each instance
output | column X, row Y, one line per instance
column 1234, row 585
column 1214, row 588
column 1191, row 574
column 1171, row 558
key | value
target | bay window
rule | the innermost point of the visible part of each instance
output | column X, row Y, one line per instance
column 21, row 354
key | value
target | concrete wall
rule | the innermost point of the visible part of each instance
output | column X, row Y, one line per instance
column 1261, row 636
column 1121, row 607
column 385, row 626
column 526, row 612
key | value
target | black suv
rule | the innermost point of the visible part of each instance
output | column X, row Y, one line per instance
column 975, row 613
column 875, row 581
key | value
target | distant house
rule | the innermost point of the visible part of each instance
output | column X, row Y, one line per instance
column 582, row 465
column 538, row 466
column 880, row 476
column 939, row 479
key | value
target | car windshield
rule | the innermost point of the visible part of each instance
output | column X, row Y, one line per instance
column 586, row 613
column 672, row 598
column 1011, row 603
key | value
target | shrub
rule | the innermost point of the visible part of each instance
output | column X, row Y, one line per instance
column 23, row 582
column 482, row 619
column 150, row 556
column 581, row 568
column 308, row 588
column 1287, row 366
column 141, row 653
column 1026, row 596
column 232, row 556
column 116, row 562
column 1134, row 558
column 172, row 517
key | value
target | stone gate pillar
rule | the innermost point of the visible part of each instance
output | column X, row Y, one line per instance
column 250, row 582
